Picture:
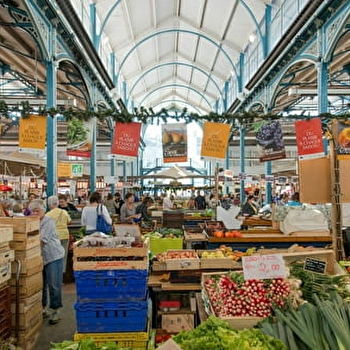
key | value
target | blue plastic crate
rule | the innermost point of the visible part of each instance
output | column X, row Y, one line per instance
column 108, row 285
column 106, row 317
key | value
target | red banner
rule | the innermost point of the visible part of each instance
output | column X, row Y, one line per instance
column 126, row 139
column 309, row 138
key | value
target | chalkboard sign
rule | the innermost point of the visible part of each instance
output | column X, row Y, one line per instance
column 315, row 265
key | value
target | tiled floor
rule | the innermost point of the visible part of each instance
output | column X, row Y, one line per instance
column 66, row 328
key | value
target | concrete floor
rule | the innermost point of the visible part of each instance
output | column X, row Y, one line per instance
column 65, row 329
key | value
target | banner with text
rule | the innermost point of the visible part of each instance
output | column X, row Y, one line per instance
column 343, row 140
column 269, row 140
column 126, row 140
column 215, row 140
column 174, row 139
column 32, row 132
column 79, row 137
column 309, row 138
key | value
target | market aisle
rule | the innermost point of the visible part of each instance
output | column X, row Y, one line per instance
column 65, row 329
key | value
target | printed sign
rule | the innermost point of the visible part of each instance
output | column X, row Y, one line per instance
column 269, row 140
column 263, row 266
column 315, row 265
column 343, row 140
column 64, row 169
column 174, row 139
column 79, row 137
column 77, row 170
column 32, row 132
column 215, row 140
column 309, row 138
column 126, row 140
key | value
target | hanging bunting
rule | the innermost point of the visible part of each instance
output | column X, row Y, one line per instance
column 32, row 132
column 269, row 140
column 174, row 139
column 309, row 138
column 215, row 140
column 79, row 137
column 126, row 140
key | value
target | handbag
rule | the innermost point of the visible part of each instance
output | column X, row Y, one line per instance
column 101, row 224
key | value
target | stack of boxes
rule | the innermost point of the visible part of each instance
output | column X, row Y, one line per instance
column 6, row 256
column 26, row 280
column 112, row 295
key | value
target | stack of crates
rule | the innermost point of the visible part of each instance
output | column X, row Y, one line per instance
column 112, row 295
column 6, row 256
column 26, row 280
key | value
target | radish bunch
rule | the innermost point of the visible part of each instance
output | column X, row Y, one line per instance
column 231, row 295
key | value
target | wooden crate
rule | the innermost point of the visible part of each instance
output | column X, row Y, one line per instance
column 27, row 338
column 26, row 224
column 23, row 241
column 79, row 251
column 6, row 256
column 26, row 303
column 218, row 263
column 22, row 255
column 327, row 255
column 111, row 264
column 182, row 264
column 6, row 234
column 5, row 272
column 29, row 266
column 236, row 322
column 28, row 285
column 30, row 316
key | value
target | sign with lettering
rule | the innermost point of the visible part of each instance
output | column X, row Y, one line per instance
column 309, row 138
column 315, row 265
column 126, row 140
column 32, row 132
column 215, row 140
column 77, row 170
column 263, row 266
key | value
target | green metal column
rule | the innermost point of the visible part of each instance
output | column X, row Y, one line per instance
column 51, row 134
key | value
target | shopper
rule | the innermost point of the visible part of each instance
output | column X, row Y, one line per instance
column 200, row 201
column 64, row 204
column 143, row 208
column 17, row 210
column 110, row 204
column 61, row 219
column 89, row 213
column 168, row 202
column 249, row 208
column 53, row 254
column 118, row 202
column 5, row 205
column 128, row 210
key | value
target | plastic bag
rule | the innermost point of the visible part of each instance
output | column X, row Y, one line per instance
column 101, row 224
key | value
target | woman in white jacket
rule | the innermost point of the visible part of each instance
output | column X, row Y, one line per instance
column 89, row 213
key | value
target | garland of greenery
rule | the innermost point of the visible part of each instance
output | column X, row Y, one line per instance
column 148, row 116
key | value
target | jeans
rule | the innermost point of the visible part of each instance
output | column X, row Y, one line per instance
column 52, row 283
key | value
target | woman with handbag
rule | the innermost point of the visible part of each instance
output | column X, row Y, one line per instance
column 90, row 213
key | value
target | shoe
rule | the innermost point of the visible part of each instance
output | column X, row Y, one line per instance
column 55, row 317
column 46, row 313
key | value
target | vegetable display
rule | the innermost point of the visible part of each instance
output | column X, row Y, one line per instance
column 231, row 295
column 217, row 334
column 87, row 344
column 163, row 232
column 323, row 326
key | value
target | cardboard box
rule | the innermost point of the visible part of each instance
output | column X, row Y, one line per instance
column 174, row 323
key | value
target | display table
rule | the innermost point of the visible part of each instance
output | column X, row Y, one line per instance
column 154, row 282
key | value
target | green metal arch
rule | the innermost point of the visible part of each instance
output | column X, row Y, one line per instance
column 173, row 64
column 176, row 85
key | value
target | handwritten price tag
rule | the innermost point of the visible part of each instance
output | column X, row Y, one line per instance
column 263, row 266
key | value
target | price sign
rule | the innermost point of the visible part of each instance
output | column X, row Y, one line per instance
column 315, row 265
column 77, row 169
column 263, row 266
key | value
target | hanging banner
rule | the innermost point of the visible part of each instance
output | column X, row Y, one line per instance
column 343, row 140
column 174, row 139
column 64, row 169
column 126, row 140
column 309, row 138
column 79, row 137
column 215, row 140
column 269, row 140
column 32, row 132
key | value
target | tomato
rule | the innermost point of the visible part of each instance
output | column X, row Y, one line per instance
column 219, row 234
